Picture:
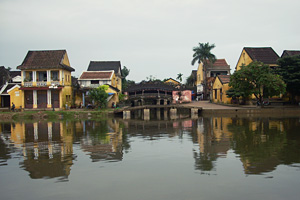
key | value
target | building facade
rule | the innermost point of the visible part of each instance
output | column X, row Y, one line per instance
column 204, row 72
column 46, row 80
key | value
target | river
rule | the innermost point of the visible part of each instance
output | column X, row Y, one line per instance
column 204, row 158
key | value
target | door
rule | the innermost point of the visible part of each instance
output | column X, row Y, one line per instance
column 28, row 98
column 42, row 99
column 55, row 98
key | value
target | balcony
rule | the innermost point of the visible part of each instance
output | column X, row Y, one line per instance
column 27, row 84
column 41, row 83
column 55, row 82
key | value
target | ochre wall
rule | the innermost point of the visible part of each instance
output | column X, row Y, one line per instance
column 200, row 74
column 218, row 86
column 244, row 59
column 16, row 97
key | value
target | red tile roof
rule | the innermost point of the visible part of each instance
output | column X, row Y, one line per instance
column 224, row 78
column 45, row 60
column 219, row 63
column 96, row 75
column 262, row 54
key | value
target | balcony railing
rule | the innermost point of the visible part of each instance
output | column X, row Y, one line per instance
column 27, row 84
column 41, row 83
column 54, row 82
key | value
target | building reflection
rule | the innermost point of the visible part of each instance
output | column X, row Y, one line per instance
column 214, row 141
column 47, row 147
column 261, row 143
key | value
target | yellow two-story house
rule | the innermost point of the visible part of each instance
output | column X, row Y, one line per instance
column 46, row 80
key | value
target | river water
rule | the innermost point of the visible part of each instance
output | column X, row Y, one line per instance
column 185, row 159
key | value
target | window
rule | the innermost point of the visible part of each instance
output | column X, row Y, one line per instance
column 216, row 94
column 94, row 82
column 54, row 76
column 42, row 76
column 28, row 77
column 68, row 98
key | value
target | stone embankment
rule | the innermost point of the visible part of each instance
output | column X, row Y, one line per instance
column 246, row 110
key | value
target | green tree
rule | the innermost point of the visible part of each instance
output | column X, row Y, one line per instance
column 179, row 77
column 289, row 70
column 190, row 81
column 125, row 83
column 257, row 79
column 202, row 53
column 99, row 96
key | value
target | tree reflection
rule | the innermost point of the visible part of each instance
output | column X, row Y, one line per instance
column 264, row 143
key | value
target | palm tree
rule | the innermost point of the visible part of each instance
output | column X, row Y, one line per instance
column 179, row 77
column 202, row 54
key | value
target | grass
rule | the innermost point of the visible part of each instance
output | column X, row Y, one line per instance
column 30, row 115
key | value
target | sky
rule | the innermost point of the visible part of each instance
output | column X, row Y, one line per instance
column 150, row 37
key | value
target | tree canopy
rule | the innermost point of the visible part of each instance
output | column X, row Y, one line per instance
column 289, row 69
column 125, row 82
column 179, row 77
column 202, row 53
column 255, row 79
column 99, row 95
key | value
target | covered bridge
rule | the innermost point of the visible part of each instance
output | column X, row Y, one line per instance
column 150, row 93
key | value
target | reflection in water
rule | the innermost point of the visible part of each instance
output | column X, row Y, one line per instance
column 47, row 148
column 103, row 140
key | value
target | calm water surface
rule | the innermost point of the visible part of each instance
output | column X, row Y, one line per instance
column 204, row 158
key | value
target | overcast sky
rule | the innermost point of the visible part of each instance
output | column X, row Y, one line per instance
column 150, row 37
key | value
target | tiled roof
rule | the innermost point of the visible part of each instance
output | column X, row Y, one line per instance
column 44, row 60
column 94, row 75
column 6, row 87
column 290, row 53
column 105, row 66
column 262, row 54
column 224, row 78
column 219, row 63
column 151, row 86
column 14, row 73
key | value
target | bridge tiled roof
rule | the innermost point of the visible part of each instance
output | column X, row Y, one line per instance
column 151, row 86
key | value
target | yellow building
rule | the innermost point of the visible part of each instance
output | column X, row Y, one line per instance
column 220, row 86
column 265, row 55
column 46, row 79
column 205, row 74
column 172, row 81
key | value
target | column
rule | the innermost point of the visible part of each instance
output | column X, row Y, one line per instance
column 146, row 114
column 83, row 99
column 158, row 113
column 126, row 114
column 173, row 113
column 34, row 98
column 194, row 113
column 49, row 99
